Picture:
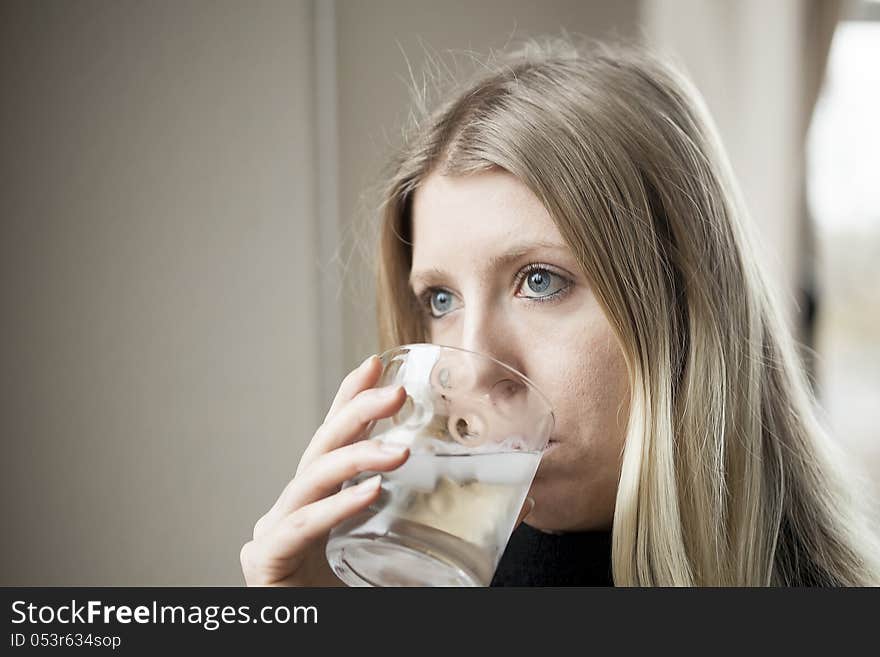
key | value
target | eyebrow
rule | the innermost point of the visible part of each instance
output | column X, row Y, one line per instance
column 435, row 274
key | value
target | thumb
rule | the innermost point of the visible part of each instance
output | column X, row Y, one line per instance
column 527, row 507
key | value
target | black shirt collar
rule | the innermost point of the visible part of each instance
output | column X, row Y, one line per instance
column 536, row 558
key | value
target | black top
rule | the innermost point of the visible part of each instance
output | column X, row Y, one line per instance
column 536, row 558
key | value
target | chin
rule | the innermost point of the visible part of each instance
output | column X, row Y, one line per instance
column 550, row 523
column 549, row 512
column 554, row 510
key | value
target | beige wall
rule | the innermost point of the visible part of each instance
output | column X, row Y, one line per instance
column 158, row 338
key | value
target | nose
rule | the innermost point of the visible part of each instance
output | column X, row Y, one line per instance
column 490, row 331
column 485, row 400
column 474, row 375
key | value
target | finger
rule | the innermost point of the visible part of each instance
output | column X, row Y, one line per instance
column 351, row 421
column 294, row 534
column 327, row 473
column 526, row 509
column 365, row 376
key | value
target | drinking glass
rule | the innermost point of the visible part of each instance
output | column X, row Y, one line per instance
column 476, row 429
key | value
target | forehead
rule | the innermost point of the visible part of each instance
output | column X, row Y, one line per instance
column 476, row 215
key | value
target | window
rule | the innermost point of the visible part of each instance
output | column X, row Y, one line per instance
column 843, row 178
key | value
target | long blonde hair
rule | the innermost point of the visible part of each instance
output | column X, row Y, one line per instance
column 727, row 477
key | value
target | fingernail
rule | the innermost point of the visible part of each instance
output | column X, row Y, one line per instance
column 368, row 486
column 364, row 365
column 392, row 448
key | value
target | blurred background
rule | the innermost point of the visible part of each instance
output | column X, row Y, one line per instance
column 186, row 245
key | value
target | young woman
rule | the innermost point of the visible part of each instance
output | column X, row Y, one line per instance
column 571, row 213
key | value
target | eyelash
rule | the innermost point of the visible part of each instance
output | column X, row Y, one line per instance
column 425, row 297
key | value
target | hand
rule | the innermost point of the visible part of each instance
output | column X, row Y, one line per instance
column 288, row 548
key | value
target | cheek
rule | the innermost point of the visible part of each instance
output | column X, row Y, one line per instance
column 587, row 384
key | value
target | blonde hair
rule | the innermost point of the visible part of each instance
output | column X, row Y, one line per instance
column 727, row 477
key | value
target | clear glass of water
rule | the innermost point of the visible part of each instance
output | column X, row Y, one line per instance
column 476, row 429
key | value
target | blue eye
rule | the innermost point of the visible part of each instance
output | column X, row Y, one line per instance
column 539, row 280
column 541, row 284
column 440, row 302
